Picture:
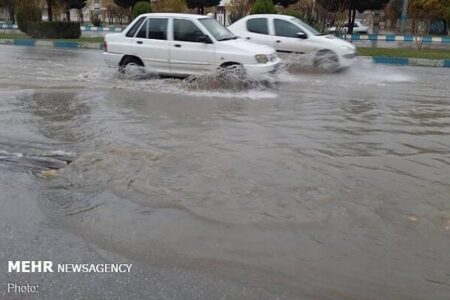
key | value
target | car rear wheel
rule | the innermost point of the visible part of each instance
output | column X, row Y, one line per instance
column 326, row 60
column 132, row 67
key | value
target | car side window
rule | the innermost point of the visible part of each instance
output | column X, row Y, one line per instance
column 142, row 33
column 157, row 29
column 186, row 31
column 258, row 25
column 286, row 29
column 135, row 27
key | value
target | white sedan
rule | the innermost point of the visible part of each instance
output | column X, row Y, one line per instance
column 183, row 44
column 289, row 35
column 358, row 28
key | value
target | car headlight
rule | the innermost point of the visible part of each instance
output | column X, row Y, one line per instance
column 261, row 58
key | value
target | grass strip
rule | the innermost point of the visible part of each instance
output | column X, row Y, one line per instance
column 406, row 52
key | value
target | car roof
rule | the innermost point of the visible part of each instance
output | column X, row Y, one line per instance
column 175, row 15
column 270, row 15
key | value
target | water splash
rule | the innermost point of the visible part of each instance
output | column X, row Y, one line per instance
column 363, row 73
column 222, row 83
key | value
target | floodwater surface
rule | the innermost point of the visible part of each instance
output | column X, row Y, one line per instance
column 316, row 186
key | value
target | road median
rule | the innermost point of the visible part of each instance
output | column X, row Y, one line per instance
column 68, row 44
column 407, row 56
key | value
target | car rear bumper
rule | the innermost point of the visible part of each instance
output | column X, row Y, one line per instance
column 112, row 59
column 264, row 71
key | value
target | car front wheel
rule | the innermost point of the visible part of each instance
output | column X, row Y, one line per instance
column 326, row 60
column 233, row 70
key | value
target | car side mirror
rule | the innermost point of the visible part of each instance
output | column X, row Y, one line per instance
column 302, row 35
column 204, row 39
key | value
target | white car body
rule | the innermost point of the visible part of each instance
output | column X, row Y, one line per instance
column 281, row 32
column 181, row 45
column 358, row 28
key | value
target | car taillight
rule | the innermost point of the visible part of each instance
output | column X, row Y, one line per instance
column 105, row 46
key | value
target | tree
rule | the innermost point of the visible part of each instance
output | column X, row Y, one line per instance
column 447, row 18
column 352, row 6
column 393, row 10
column 126, row 3
column 73, row 4
column 201, row 4
column 237, row 9
column 333, row 5
column 78, row 4
column 263, row 7
column 284, row 3
column 115, row 12
column 27, row 12
column 140, row 8
column 10, row 6
column 426, row 10
column 174, row 6
column 50, row 4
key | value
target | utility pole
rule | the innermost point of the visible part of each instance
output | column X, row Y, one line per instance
column 313, row 13
column 404, row 16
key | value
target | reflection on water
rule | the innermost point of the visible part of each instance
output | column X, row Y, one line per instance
column 334, row 188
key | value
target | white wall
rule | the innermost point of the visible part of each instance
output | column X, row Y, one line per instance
column 4, row 15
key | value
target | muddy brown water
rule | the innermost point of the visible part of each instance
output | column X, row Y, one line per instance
column 317, row 186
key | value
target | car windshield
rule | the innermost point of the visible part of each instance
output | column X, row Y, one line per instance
column 305, row 26
column 216, row 29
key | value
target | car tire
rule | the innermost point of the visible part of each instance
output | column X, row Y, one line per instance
column 326, row 60
column 234, row 69
column 132, row 66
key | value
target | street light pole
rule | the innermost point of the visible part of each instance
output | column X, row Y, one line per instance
column 404, row 16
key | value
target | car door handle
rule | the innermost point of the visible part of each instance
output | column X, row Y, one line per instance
column 139, row 42
column 278, row 41
column 177, row 45
column 248, row 38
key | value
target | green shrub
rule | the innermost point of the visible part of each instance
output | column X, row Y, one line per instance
column 26, row 12
column 447, row 18
column 54, row 30
column 263, row 7
column 141, row 8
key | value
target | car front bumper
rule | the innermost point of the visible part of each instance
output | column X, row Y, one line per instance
column 264, row 71
column 346, row 59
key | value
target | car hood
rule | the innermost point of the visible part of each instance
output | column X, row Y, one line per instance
column 247, row 47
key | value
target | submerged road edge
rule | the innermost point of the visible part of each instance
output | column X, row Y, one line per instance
column 389, row 60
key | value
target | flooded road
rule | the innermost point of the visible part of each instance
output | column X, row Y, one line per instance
column 318, row 186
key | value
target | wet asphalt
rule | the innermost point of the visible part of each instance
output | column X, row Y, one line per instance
column 316, row 186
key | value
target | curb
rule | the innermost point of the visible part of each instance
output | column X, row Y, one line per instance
column 405, row 61
column 83, row 28
column 445, row 40
column 399, row 61
column 51, row 44
column 103, row 28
